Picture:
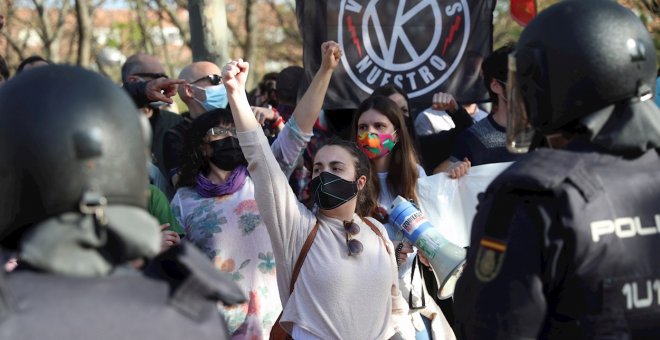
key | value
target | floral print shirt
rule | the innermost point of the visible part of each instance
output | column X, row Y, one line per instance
column 231, row 232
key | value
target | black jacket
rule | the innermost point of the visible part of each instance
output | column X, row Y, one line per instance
column 564, row 246
column 436, row 148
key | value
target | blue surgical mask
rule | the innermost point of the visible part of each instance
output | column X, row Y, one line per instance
column 216, row 97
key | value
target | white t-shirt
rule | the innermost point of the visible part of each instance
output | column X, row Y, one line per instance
column 429, row 121
column 385, row 198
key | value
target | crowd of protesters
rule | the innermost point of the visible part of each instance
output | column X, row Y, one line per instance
column 207, row 189
column 259, row 182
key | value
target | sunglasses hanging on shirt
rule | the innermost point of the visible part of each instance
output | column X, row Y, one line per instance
column 355, row 247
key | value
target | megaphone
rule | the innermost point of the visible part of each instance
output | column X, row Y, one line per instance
column 446, row 258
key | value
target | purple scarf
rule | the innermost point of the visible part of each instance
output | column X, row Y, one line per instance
column 207, row 189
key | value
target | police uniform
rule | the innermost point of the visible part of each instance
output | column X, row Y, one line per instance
column 562, row 248
column 175, row 299
column 73, row 198
column 564, row 243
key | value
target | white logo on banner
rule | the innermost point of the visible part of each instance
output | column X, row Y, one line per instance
column 405, row 46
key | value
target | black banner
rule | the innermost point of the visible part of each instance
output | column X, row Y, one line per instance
column 423, row 46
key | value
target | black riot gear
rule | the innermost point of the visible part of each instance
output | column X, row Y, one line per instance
column 578, row 57
column 73, row 194
column 564, row 242
column 71, row 140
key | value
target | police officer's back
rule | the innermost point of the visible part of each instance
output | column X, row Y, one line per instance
column 73, row 194
column 564, row 244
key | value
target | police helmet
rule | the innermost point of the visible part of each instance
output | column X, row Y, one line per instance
column 70, row 141
column 575, row 58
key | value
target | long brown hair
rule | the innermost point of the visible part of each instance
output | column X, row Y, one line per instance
column 402, row 171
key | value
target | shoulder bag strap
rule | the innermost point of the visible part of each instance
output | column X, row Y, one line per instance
column 278, row 332
column 377, row 231
column 302, row 255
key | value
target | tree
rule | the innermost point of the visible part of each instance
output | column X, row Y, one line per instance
column 49, row 32
column 170, row 9
column 142, row 23
column 285, row 14
column 243, row 32
column 264, row 33
column 83, row 15
column 208, row 30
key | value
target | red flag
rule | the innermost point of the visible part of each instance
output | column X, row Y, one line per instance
column 523, row 11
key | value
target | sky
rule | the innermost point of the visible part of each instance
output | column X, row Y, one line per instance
column 115, row 4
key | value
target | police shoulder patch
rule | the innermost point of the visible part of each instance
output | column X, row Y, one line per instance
column 490, row 257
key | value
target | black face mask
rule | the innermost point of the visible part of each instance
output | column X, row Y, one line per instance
column 330, row 191
column 227, row 154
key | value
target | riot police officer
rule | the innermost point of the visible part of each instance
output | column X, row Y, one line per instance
column 564, row 244
column 73, row 194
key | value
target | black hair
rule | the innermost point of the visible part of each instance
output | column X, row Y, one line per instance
column 496, row 66
column 29, row 60
column 268, row 82
column 288, row 83
column 4, row 69
column 193, row 160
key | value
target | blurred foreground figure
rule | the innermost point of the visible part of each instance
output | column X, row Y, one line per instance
column 73, row 192
column 564, row 244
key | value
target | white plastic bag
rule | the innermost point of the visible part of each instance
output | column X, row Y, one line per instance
column 450, row 204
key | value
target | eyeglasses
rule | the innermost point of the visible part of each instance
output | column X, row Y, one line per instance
column 354, row 246
column 150, row 75
column 221, row 131
column 215, row 79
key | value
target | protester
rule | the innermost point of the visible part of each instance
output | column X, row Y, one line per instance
column 159, row 207
column 143, row 67
column 485, row 141
column 400, row 97
column 265, row 93
column 73, row 192
column 380, row 132
column 4, row 71
column 565, row 242
column 436, row 143
column 434, row 120
column 215, row 204
column 203, row 91
column 347, row 287
column 160, row 89
column 288, row 85
column 216, row 201
column 32, row 62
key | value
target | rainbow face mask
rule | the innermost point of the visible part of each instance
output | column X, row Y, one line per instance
column 376, row 145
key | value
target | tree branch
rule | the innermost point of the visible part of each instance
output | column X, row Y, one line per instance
column 183, row 29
